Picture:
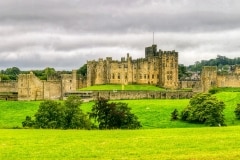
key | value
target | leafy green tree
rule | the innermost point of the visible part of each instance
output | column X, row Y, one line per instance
column 74, row 116
column 204, row 108
column 237, row 111
column 4, row 77
column 50, row 115
column 47, row 72
column 113, row 115
column 12, row 72
column 83, row 70
column 182, row 71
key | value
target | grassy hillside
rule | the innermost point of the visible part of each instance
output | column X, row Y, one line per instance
column 152, row 113
column 120, row 87
column 189, row 143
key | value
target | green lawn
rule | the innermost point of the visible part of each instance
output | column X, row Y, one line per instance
column 152, row 113
column 218, row 143
column 125, row 87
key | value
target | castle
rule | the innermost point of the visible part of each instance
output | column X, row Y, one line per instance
column 158, row 68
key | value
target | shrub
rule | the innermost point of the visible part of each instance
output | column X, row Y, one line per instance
column 28, row 122
column 54, row 115
column 174, row 115
column 204, row 108
column 74, row 117
column 237, row 111
column 50, row 115
column 113, row 115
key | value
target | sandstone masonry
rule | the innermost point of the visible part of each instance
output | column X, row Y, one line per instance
column 157, row 68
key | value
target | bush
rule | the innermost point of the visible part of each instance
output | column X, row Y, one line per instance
column 54, row 115
column 28, row 122
column 174, row 115
column 113, row 115
column 214, row 90
column 204, row 108
column 237, row 111
column 74, row 117
column 50, row 115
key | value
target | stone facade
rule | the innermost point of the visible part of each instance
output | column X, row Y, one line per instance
column 157, row 68
column 210, row 78
column 30, row 87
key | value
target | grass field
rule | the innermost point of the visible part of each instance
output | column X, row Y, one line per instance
column 152, row 113
column 160, row 138
column 218, row 143
column 125, row 87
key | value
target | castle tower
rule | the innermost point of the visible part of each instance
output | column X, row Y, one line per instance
column 168, row 69
column 74, row 80
column 151, row 51
column 208, row 77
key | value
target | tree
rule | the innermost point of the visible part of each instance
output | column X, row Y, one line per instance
column 237, row 111
column 204, row 108
column 113, row 115
column 74, row 116
column 12, row 72
column 50, row 115
column 182, row 71
column 83, row 70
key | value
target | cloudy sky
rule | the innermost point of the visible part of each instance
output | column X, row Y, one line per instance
column 64, row 34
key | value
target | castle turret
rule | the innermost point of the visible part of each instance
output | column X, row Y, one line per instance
column 208, row 77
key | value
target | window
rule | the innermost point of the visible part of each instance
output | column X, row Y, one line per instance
column 119, row 76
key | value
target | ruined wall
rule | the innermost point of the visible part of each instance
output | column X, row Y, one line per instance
column 52, row 90
column 228, row 80
column 210, row 78
column 196, row 86
column 8, row 90
column 30, row 87
column 8, row 86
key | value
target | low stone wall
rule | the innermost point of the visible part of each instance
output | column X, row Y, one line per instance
column 120, row 95
column 9, row 96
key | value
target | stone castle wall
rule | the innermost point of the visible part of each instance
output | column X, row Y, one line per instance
column 31, row 87
column 8, row 86
column 210, row 78
column 120, row 95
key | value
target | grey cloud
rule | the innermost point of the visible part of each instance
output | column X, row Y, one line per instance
column 65, row 34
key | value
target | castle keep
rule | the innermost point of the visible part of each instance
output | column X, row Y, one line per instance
column 157, row 68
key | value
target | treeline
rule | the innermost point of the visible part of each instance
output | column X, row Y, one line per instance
column 47, row 73
column 221, row 62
